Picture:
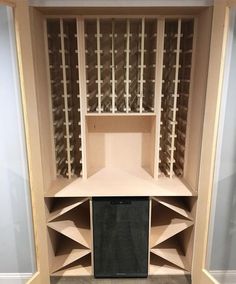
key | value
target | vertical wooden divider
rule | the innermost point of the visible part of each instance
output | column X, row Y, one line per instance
column 142, row 66
column 127, row 80
column 65, row 95
column 113, row 66
column 98, row 35
column 190, row 92
column 175, row 95
column 83, row 92
column 54, row 170
column 158, row 91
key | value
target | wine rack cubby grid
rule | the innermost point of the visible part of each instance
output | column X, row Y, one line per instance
column 121, row 78
column 177, row 59
column 69, row 233
column 65, row 97
column 120, row 65
column 171, row 234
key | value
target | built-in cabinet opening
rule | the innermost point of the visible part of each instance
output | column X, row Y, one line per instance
column 121, row 106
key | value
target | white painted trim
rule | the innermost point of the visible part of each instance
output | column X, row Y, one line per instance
column 208, row 278
column 224, row 276
column 121, row 3
column 15, row 276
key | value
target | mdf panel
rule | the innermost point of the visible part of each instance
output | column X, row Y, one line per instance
column 43, row 97
column 120, row 142
column 197, row 99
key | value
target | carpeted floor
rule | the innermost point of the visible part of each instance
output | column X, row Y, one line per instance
column 150, row 280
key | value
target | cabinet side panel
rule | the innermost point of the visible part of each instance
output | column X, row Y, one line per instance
column 43, row 98
column 197, row 99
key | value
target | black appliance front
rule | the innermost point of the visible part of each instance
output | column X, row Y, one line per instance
column 120, row 236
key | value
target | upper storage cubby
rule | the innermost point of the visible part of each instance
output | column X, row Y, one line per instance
column 120, row 65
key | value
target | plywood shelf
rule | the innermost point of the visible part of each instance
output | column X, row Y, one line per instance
column 172, row 251
column 60, row 206
column 119, row 182
column 159, row 266
column 122, row 114
column 66, row 256
column 70, row 230
column 160, row 233
column 74, row 224
column 176, row 204
column 81, row 267
column 166, row 222
column 173, row 256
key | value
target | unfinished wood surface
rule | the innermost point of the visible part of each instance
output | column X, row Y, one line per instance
column 122, row 142
column 176, row 204
column 196, row 107
column 75, row 224
column 65, row 96
column 81, row 267
column 43, row 97
column 163, row 232
column 65, row 259
column 186, row 58
column 159, row 266
column 83, row 91
column 209, row 140
column 165, row 223
column 172, row 255
column 69, row 229
column 32, row 131
column 118, row 182
column 158, row 92
column 123, row 53
column 61, row 206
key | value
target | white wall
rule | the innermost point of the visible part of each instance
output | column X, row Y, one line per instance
column 16, row 241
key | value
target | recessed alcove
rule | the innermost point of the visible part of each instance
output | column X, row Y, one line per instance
column 122, row 142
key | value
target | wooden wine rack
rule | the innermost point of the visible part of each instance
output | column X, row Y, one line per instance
column 123, row 113
column 178, row 47
column 63, row 64
column 124, row 59
column 121, row 66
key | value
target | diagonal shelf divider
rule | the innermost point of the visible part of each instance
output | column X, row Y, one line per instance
column 163, row 232
column 172, row 255
column 173, row 251
column 67, row 253
column 74, row 223
column 63, row 260
column 81, row 267
column 174, row 204
column 165, row 223
column 64, row 205
column 70, row 230
column 160, row 266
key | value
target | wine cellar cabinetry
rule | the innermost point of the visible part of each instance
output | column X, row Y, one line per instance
column 120, row 102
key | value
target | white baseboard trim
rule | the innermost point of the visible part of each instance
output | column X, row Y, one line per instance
column 224, row 276
column 14, row 278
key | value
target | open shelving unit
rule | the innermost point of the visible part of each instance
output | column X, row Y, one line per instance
column 120, row 103
column 172, row 220
column 69, row 235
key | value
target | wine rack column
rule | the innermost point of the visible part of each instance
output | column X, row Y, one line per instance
column 184, row 89
column 63, row 64
column 177, row 61
column 123, row 54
